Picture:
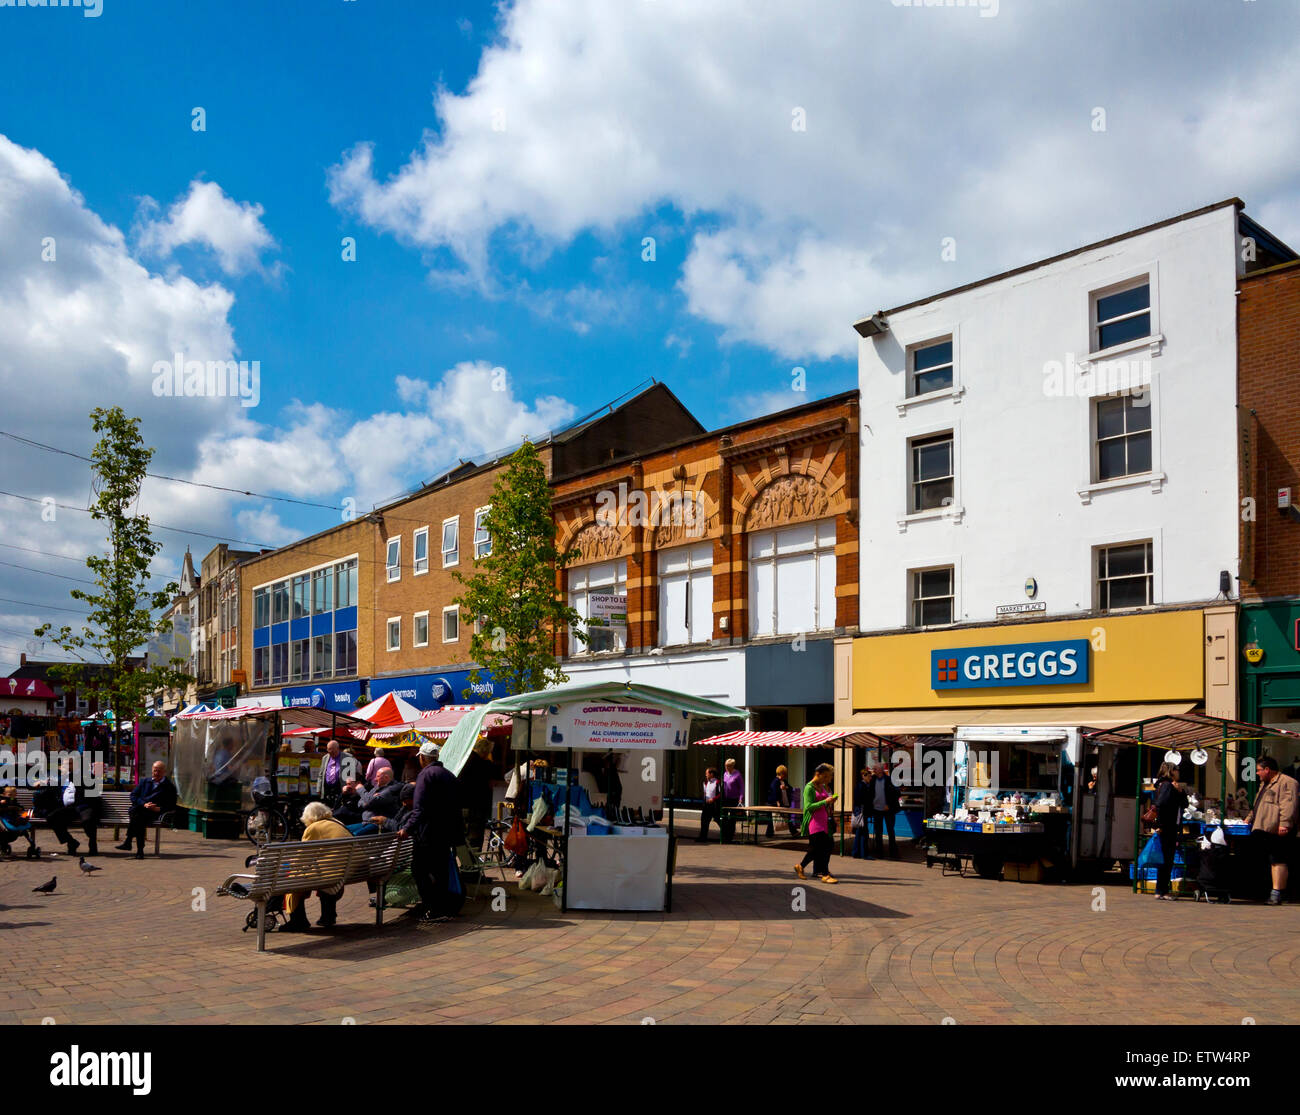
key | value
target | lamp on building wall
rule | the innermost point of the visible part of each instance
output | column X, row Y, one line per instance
column 872, row 326
column 1225, row 583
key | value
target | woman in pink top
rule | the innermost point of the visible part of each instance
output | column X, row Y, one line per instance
column 817, row 803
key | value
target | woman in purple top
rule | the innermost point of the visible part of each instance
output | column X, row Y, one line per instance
column 733, row 794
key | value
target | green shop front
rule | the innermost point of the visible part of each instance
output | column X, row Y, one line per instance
column 1270, row 671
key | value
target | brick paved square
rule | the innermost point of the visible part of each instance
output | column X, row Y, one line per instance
column 892, row 943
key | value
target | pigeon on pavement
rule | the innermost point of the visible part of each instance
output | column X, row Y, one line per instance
column 47, row 888
column 88, row 868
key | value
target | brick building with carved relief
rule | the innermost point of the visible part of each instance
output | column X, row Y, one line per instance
column 734, row 557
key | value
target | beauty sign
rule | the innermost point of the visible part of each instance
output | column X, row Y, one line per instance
column 602, row 726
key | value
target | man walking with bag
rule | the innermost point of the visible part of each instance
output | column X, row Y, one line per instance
column 436, row 828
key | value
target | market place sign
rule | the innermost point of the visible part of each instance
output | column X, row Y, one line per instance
column 1060, row 662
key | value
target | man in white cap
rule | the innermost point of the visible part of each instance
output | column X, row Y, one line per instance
column 435, row 826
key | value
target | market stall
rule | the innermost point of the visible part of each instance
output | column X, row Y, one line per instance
column 842, row 738
column 218, row 753
column 1019, row 807
column 1211, row 754
column 604, row 865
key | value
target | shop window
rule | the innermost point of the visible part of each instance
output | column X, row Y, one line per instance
column 933, row 599
column 279, row 663
column 451, row 624
column 300, row 660
column 280, row 602
column 393, row 562
column 451, row 542
column 395, row 633
column 322, row 591
column 1123, row 446
column 420, row 634
column 930, row 367
column 345, row 653
column 605, row 578
column 482, row 539
column 420, row 551
column 1125, row 576
column 792, row 579
column 345, row 579
column 933, row 481
column 686, row 595
column 1120, row 315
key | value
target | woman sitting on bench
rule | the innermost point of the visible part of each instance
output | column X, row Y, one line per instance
column 14, row 824
column 321, row 825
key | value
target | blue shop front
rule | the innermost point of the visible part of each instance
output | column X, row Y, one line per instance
column 428, row 692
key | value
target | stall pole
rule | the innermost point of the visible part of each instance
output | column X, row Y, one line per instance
column 564, row 869
column 1223, row 776
column 1137, row 812
column 847, row 779
column 672, row 838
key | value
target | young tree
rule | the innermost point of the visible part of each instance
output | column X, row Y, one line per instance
column 512, row 590
column 122, row 606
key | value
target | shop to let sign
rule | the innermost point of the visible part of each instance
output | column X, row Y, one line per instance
column 1061, row 662
column 607, row 608
column 610, row 727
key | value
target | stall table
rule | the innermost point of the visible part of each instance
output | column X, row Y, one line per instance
column 752, row 815
column 984, row 848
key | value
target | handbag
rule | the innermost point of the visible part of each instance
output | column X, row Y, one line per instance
column 1150, row 815
column 855, row 822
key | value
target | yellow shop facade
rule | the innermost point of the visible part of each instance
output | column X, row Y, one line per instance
column 1031, row 691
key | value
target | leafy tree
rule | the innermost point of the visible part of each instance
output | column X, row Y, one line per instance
column 513, row 590
column 122, row 606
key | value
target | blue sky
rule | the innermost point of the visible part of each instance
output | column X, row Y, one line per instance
column 797, row 166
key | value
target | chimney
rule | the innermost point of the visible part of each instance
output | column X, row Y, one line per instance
column 22, row 659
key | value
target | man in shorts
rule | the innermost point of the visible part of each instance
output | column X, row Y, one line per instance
column 1273, row 822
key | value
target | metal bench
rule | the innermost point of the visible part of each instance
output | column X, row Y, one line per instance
column 115, row 808
column 307, row 865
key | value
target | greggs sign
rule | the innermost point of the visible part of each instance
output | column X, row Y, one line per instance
column 1062, row 662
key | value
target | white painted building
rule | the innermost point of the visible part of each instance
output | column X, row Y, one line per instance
column 1072, row 422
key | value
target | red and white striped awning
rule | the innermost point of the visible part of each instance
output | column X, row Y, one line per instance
column 809, row 737
column 438, row 724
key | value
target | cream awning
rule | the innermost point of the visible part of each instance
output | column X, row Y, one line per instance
column 920, row 722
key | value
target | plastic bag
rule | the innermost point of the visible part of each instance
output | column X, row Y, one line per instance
column 526, row 883
column 400, row 890
column 516, row 840
column 1153, row 854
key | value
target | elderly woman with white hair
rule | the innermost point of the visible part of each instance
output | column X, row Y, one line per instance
column 321, row 825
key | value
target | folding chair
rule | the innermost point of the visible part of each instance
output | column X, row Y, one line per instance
column 478, row 864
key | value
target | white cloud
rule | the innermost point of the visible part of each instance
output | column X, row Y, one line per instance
column 207, row 217
column 82, row 323
column 470, row 412
column 922, row 123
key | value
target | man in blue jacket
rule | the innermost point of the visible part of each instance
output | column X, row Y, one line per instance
column 154, row 796
column 436, row 829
